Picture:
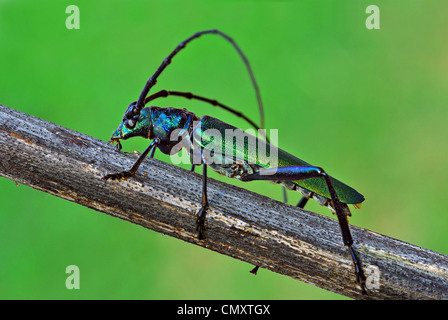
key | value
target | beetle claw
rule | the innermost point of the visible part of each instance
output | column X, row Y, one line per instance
column 118, row 146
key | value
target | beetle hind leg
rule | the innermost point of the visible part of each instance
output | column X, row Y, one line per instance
column 305, row 172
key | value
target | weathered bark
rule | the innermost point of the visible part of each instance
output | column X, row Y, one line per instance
column 240, row 224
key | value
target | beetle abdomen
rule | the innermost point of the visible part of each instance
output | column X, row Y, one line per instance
column 213, row 135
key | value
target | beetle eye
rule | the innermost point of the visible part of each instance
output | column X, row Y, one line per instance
column 129, row 111
column 130, row 123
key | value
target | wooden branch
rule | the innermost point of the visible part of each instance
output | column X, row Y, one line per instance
column 240, row 224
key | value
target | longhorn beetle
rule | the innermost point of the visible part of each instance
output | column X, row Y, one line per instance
column 170, row 127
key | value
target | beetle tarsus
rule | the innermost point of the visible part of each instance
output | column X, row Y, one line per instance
column 200, row 223
column 360, row 277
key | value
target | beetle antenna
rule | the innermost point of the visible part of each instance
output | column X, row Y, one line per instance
column 189, row 95
column 135, row 110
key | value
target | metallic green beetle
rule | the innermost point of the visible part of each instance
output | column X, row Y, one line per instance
column 204, row 138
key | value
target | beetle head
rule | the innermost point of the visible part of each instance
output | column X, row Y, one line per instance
column 138, row 125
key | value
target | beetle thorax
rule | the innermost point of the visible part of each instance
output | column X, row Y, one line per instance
column 169, row 124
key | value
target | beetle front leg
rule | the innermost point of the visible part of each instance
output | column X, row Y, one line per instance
column 133, row 170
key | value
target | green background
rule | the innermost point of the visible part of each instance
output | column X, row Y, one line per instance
column 369, row 106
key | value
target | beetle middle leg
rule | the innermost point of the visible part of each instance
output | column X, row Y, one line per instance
column 302, row 202
column 200, row 220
